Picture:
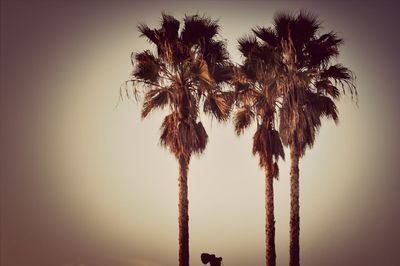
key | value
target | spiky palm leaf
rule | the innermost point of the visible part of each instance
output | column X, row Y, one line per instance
column 243, row 118
column 266, row 34
column 148, row 66
column 199, row 28
column 219, row 105
column 157, row 98
column 183, row 137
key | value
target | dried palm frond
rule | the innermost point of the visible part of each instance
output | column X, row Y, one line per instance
column 267, row 144
column 243, row 118
column 169, row 26
column 201, row 138
column 156, row 98
column 147, row 66
column 200, row 72
column 303, row 29
column 325, row 86
column 222, row 73
column 151, row 35
column 321, row 50
column 215, row 52
column 218, row 104
column 266, row 34
column 198, row 27
column 247, row 45
column 282, row 22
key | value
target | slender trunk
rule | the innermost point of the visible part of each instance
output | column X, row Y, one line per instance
column 294, row 208
column 270, row 254
column 183, row 219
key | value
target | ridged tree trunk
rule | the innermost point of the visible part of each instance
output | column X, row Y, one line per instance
column 270, row 254
column 294, row 208
column 183, row 218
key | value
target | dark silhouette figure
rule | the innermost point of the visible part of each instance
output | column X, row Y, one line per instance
column 211, row 258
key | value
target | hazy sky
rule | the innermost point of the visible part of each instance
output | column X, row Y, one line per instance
column 84, row 182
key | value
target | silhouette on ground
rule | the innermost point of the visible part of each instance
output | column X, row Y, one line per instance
column 211, row 258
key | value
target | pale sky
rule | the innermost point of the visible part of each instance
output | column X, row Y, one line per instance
column 84, row 182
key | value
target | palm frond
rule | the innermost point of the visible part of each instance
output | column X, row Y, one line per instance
column 199, row 138
column 304, row 29
column 275, row 170
column 266, row 54
column 241, row 87
column 182, row 137
column 169, row 26
column 247, row 44
column 266, row 34
column 282, row 24
column 169, row 133
column 276, row 145
column 323, row 49
column 330, row 39
column 267, row 143
column 215, row 52
column 156, row 98
column 147, row 67
column 325, row 86
column 222, row 73
column 325, row 106
column 260, row 143
column 151, row 35
column 342, row 76
column 336, row 72
column 200, row 72
column 198, row 27
column 242, row 119
column 180, row 53
column 219, row 105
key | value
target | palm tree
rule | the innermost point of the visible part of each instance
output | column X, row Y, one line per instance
column 257, row 90
column 187, row 70
column 312, row 84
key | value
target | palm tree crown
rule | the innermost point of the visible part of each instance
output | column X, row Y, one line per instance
column 312, row 82
column 257, row 90
column 187, row 70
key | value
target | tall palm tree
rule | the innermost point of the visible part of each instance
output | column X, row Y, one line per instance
column 187, row 70
column 312, row 84
column 257, row 90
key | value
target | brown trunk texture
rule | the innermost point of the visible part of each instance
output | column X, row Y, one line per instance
column 183, row 219
column 294, row 208
column 270, row 254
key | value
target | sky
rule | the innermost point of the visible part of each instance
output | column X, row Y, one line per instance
column 84, row 180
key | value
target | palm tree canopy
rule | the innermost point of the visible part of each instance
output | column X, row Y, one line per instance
column 187, row 70
column 257, row 90
column 311, row 82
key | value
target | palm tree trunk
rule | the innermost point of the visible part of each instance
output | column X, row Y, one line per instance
column 270, row 254
column 294, row 208
column 183, row 218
